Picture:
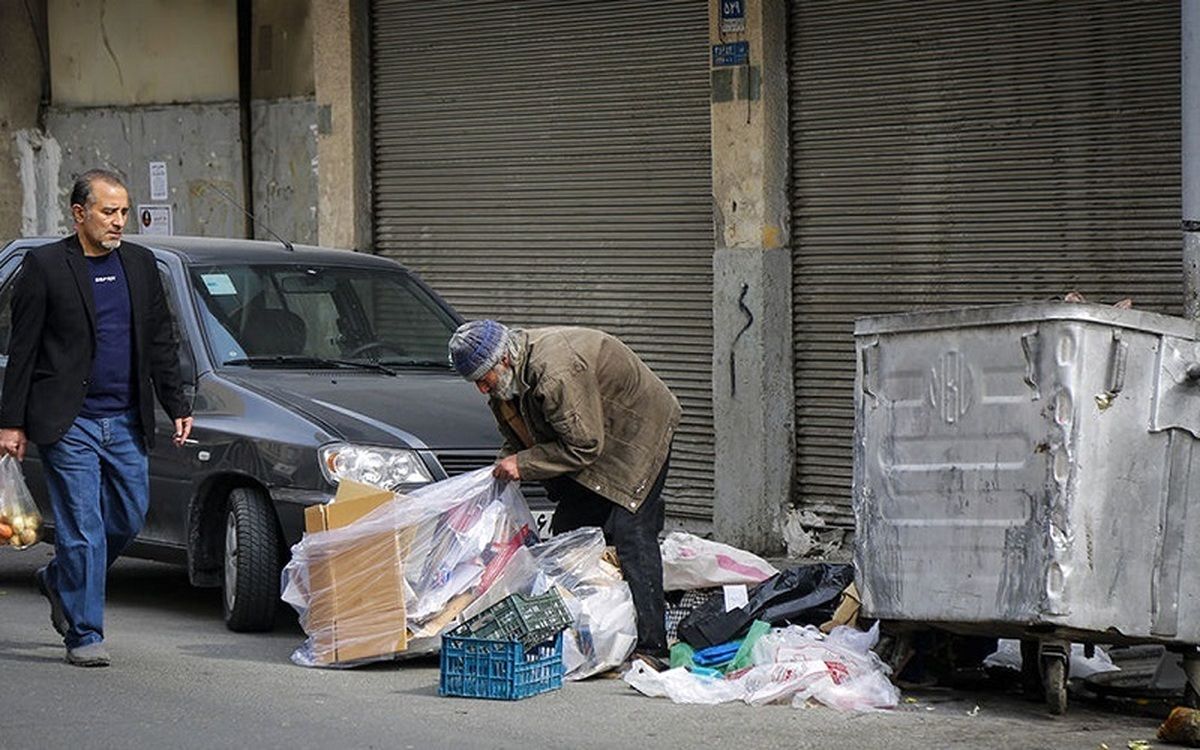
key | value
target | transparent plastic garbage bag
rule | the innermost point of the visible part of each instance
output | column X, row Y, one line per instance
column 395, row 579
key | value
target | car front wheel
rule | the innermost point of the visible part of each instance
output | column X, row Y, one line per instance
column 251, row 579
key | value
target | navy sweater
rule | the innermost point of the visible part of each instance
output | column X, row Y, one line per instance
column 110, row 389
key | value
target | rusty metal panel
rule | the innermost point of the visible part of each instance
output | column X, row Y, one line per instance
column 947, row 154
column 548, row 162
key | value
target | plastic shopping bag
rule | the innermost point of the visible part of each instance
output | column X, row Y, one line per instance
column 20, row 521
column 690, row 562
column 792, row 664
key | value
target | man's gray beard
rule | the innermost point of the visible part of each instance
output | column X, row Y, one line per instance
column 110, row 244
column 506, row 385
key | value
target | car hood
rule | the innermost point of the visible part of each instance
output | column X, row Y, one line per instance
column 436, row 410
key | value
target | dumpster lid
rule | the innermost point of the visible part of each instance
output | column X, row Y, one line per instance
column 1026, row 312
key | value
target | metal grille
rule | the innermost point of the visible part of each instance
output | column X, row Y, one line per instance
column 947, row 153
column 460, row 463
column 540, row 164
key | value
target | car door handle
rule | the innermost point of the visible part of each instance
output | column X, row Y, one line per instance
column 191, row 441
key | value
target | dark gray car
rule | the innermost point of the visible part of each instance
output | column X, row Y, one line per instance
column 306, row 366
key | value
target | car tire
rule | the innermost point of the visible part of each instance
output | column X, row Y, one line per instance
column 250, row 584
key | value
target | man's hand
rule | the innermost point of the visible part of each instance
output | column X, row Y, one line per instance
column 183, row 428
column 12, row 442
column 506, row 468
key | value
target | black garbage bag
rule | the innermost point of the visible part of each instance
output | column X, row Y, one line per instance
column 803, row 595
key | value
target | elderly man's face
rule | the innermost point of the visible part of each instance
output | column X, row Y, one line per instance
column 498, row 381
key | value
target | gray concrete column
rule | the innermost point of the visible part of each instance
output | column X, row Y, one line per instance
column 753, row 400
column 341, row 72
column 22, row 58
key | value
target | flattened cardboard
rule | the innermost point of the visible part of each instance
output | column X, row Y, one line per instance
column 357, row 608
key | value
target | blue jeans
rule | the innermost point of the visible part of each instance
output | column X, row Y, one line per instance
column 99, row 485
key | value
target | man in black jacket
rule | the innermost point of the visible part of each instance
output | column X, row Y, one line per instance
column 92, row 340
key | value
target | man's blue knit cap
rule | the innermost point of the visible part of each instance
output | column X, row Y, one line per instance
column 477, row 346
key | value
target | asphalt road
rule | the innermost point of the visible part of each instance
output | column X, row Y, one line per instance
column 181, row 680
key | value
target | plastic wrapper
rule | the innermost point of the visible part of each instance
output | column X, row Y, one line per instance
column 604, row 629
column 681, row 686
column 393, row 580
column 690, row 562
column 792, row 664
column 20, row 521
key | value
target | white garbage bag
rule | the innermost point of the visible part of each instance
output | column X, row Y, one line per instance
column 690, row 562
column 793, row 664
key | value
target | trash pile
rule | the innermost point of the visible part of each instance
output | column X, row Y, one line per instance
column 792, row 664
column 379, row 575
column 457, row 567
column 747, row 632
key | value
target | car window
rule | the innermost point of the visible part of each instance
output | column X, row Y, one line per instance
column 187, row 364
column 328, row 312
column 8, row 278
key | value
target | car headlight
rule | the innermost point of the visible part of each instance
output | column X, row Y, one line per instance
column 369, row 464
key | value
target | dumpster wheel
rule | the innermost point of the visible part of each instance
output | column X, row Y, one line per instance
column 1054, row 683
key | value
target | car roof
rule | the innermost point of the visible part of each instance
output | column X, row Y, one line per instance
column 212, row 250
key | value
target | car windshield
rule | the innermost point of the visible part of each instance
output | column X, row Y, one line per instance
column 279, row 316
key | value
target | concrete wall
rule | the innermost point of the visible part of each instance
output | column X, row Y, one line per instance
column 22, row 39
column 285, row 168
column 142, row 51
column 753, row 400
column 282, row 44
column 199, row 143
column 118, row 67
column 283, row 120
column 200, row 146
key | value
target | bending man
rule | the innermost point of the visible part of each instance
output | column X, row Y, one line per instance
column 580, row 412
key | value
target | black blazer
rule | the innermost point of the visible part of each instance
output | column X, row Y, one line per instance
column 54, row 341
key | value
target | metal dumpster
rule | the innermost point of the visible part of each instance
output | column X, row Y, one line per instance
column 1027, row 471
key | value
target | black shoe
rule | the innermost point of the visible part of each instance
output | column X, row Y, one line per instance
column 653, row 661
column 58, row 616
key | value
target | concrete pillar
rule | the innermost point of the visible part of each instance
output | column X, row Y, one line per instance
column 22, row 46
column 1190, row 154
column 341, row 70
column 753, row 400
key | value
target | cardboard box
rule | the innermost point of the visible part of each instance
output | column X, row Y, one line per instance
column 357, row 592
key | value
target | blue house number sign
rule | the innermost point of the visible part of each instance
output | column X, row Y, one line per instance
column 733, row 53
column 733, row 15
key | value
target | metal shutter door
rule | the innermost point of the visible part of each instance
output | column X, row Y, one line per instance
column 549, row 163
column 949, row 153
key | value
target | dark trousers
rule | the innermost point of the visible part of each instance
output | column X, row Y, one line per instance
column 635, row 535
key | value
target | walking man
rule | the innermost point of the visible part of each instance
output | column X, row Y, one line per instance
column 92, row 342
column 582, row 413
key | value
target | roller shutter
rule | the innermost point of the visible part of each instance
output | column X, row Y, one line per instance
column 549, row 163
column 953, row 153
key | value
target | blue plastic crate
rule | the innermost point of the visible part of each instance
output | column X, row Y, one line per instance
column 501, row 670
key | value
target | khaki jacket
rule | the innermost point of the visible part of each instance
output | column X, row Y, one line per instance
column 595, row 412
